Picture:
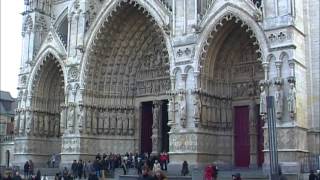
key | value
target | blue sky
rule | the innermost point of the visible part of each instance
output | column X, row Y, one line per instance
column 11, row 42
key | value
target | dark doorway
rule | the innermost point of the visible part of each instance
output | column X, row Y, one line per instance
column 8, row 158
column 146, row 127
column 260, row 124
column 242, row 139
column 165, row 128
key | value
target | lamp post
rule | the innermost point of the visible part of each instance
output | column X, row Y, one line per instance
column 272, row 134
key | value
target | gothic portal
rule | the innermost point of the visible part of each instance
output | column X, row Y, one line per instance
column 189, row 77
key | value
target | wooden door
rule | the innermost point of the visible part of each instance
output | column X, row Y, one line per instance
column 242, row 138
column 146, row 127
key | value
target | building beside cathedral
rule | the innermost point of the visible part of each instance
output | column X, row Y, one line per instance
column 189, row 77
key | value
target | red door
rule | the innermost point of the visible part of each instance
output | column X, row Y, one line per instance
column 146, row 127
column 242, row 139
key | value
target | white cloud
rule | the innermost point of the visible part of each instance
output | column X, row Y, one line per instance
column 11, row 42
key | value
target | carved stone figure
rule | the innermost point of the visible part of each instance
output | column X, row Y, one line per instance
column 88, row 120
column 183, row 115
column 125, row 122
column 170, row 111
column 28, row 122
column 113, row 120
column 155, row 113
column 263, row 100
column 197, row 107
column 80, row 118
column 119, row 122
column 63, row 118
column 70, row 119
column 35, row 123
column 292, row 100
column 131, row 122
column 278, row 95
column 106, row 122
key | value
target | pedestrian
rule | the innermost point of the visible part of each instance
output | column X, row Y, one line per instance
column 74, row 169
column 313, row 176
column 156, row 166
column 26, row 169
column 145, row 174
column 159, row 175
column 38, row 176
column 185, row 168
column 17, row 176
column 31, row 168
column 236, row 176
column 139, row 166
column 214, row 171
column 80, row 168
column 208, row 172
column 53, row 160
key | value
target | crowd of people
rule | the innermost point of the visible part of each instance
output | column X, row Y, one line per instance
column 104, row 165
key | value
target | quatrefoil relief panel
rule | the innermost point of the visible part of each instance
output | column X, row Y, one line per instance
column 73, row 74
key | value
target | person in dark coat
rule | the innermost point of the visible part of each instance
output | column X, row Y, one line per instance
column 185, row 168
column 74, row 169
column 17, row 176
column 80, row 169
column 26, row 168
column 313, row 176
column 145, row 174
column 38, row 176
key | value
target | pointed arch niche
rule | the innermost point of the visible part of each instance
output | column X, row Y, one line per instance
column 128, row 64
column 38, row 126
column 230, row 93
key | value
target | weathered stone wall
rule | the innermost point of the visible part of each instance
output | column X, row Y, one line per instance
column 120, row 53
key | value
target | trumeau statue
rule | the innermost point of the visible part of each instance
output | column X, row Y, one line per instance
column 155, row 113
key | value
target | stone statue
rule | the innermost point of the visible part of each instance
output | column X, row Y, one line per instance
column 263, row 100
column 88, row 120
column 119, row 123
column 28, row 122
column 70, row 119
column 197, row 107
column 131, row 122
column 170, row 110
column 56, row 131
column 63, row 118
column 35, row 123
column 41, row 122
column 183, row 115
column 292, row 100
column 125, row 122
column 17, row 122
column 106, row 122
column 155, row 113
column 278, row 101
column 46, row 123
column 113, row 119
column 80, row 118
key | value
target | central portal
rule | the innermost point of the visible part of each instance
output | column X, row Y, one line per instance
column 154, row 127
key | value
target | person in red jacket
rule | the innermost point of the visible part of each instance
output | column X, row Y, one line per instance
column 208, row 172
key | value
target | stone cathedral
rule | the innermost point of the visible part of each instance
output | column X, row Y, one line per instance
column 189, row 77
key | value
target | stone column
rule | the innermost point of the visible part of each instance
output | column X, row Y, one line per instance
column 156, row 139
column 63, row 120
column 253, row 133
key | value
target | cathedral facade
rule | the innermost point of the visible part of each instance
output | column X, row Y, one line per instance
column 190, row 77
